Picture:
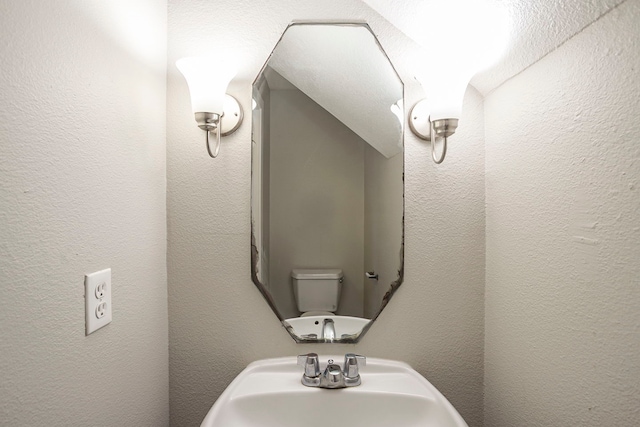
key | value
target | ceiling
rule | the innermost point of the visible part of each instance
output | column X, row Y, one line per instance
column 538, row 27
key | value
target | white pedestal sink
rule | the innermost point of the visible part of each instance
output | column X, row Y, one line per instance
column 268, row 393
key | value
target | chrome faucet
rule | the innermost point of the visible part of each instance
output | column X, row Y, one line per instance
column 328, row 330
column 333, row 376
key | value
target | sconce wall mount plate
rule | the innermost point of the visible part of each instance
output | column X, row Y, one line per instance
column 420, row 123
column 232, row 116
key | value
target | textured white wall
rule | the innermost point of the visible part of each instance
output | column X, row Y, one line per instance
column 563, row 234
column 82, row 188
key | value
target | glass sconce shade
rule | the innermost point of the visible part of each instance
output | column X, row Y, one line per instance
column 445, row 90
column 207, row 79
column 463, row 37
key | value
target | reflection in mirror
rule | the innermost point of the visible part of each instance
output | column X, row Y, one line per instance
column 327, row 189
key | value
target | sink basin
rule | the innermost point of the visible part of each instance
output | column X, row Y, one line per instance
column 268, row 393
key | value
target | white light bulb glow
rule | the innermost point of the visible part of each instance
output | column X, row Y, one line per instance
column 460, row 37
column 207, row 79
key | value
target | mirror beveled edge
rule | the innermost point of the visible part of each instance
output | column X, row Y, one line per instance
column 255, row 259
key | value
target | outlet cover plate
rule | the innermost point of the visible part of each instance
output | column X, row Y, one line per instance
column 97, row 297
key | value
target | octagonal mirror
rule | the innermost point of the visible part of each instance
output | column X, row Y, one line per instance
column 327, row 200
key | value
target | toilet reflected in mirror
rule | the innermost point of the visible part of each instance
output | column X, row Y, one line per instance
column 327, row 199
column 317, row 292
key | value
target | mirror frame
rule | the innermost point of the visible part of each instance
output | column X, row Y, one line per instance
column 255, row 256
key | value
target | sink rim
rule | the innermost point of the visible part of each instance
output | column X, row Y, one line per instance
column 281, row 376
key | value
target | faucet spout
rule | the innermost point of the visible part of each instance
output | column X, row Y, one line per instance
column 328, row 330
column 332, row 377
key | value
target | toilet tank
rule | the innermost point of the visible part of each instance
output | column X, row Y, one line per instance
column 317, row 289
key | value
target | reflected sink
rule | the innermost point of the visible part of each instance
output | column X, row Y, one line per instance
column 268, row 393
column 312, row 325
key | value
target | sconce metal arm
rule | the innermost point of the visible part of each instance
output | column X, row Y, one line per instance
column 209, row 122
column 217, row 149
column 212, row 122
column 433, row 146
column 422, row 126
column 443, row 128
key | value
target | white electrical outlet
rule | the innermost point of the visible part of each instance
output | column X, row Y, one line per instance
column 97, row 298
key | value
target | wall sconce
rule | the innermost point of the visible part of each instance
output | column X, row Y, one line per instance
column 425, row 127
column 465, row 37
column 437, row 116
column 215, row 111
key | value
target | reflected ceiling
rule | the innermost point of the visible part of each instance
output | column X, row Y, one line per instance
column 353, row 101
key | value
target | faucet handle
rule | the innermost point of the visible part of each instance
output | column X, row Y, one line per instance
column 311, row 364
column 352, row 362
